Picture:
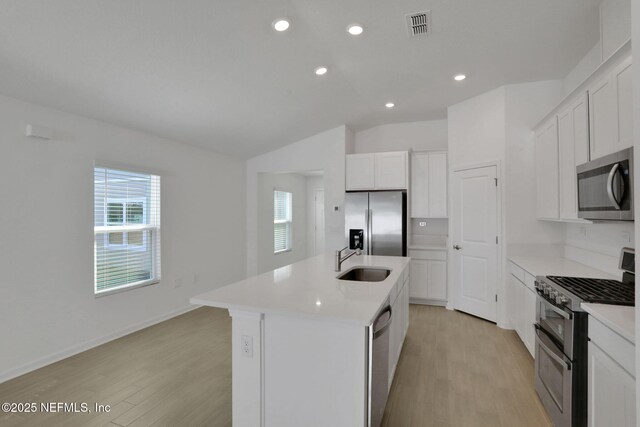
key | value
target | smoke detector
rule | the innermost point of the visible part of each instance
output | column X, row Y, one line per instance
column 419, row 24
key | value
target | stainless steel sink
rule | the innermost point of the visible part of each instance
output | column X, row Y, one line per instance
column 365, row 274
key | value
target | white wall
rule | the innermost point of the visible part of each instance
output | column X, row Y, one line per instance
column 321, row 152
column 296, row 184
column 476, row 129
column 615, row 30
column 313, row 183
column 47, row 309
column 526, row 104
column 427, row 135
column 587, row 65
column 615, row 25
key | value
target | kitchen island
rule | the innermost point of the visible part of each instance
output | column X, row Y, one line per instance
column 302, row 341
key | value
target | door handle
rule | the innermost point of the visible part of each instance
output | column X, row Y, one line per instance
column 551, row 353
column 612, row 175
column 457, row 247
column 383, row 329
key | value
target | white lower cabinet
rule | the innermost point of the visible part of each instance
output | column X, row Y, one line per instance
column 521, row 301
column 612, row 387
column 428, row 281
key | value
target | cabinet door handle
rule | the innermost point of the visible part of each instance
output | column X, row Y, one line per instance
column 457, row 247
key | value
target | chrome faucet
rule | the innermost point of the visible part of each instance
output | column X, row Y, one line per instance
column 340, row 259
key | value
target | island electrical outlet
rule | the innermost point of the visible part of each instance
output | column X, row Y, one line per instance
column 246, row 345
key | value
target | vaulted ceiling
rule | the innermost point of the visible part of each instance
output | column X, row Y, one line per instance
column 214, row 73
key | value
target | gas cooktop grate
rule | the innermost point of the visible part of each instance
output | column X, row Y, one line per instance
column 600, row 291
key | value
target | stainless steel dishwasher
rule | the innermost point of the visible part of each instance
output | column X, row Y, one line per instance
column 379, row 365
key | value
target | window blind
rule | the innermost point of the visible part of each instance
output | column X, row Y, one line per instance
column 282, row 219
column 126, row 229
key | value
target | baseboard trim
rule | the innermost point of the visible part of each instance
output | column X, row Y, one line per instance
column 84, row 346
column 424, row 301
column 505, row 325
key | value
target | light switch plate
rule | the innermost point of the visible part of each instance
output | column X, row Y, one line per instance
column 422, row 223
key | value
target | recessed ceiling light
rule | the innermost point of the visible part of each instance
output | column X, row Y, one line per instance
column 459, row 77
column 389, row 105
column 321, row 71
column 318, row 303
column 355, row 29
column 280, row 24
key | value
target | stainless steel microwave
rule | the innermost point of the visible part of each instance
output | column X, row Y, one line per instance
column 605, row 187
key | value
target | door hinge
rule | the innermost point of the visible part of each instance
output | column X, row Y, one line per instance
column 496, row 240
column 496, row 181
column 496, row 297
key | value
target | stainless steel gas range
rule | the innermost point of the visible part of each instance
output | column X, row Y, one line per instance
column 561, row 337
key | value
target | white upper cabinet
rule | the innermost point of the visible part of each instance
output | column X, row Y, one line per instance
column 359, row 172
column 610, row 111
column 377, row 171
column 438, row 185
column 546, row 160
column 429, row 185
column 573, row 150
column 391, row 170
column 419, row 185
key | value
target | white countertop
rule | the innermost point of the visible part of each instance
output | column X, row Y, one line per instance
column 309, row 288
column 620, row 319
column 557, row 266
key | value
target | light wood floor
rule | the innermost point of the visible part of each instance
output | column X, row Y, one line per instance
column 455, row 370
column 458, row 370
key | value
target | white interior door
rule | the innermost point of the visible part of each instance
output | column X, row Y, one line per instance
column 319, row 221
column 474, row 239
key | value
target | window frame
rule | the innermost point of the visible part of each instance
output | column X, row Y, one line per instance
column 151, row 240
column 288, row 222
column 114, row 227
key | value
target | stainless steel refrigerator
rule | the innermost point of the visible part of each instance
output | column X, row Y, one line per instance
column 376, row 222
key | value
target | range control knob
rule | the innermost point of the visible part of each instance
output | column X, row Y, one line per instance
column 553, row 294
column 562, row 300
column 546, row 289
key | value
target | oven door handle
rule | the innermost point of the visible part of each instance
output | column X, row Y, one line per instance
column 554, row 308
column 548, row 350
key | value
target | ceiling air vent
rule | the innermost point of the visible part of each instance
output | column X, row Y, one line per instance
column 419, row 24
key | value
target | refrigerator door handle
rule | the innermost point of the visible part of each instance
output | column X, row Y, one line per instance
column 369, row 231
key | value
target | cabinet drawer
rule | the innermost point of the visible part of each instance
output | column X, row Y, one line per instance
column 428, row 254
column 618, row 348
column 517, row 272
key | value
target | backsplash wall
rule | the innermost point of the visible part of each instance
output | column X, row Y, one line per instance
column 599, row 244
column 434, row 227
